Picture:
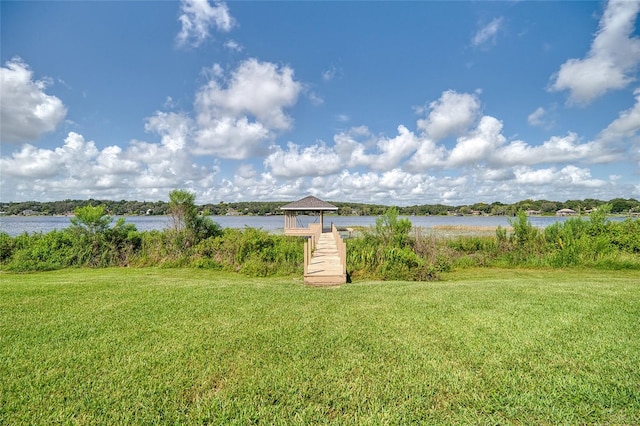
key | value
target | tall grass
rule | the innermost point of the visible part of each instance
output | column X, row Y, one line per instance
column 390, row 250
column 188, row 346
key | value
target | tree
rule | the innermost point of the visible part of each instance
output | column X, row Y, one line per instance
column 92, row 219
column 185, row 220
column 182, row 209
column 392, row 230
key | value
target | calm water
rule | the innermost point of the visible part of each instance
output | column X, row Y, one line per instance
column 15, row 225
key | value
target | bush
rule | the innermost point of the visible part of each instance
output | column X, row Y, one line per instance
column 253, row 252
column 388, row 251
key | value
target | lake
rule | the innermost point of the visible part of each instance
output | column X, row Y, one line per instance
column 16, row 225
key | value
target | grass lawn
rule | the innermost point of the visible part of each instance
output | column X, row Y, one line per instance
column 482, row 346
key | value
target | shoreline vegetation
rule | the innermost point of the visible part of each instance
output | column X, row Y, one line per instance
column 391, row 249
column 618, row 206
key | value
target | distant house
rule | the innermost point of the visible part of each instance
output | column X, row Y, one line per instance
column 532, row 212
column 566, row 212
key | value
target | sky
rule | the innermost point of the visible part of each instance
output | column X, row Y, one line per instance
column 395, row 103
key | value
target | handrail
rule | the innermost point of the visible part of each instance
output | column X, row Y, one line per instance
column 311, row 243
column 342, row 247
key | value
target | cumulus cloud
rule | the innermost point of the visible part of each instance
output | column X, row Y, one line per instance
column 232, row 138
column 197, row 19
column 487, row 33
column 555, row 150
column 611, row 61
column 625, row 126
column 393, row 151
column 567, row 176
column 259, row 89
column 78, row 168
column 428, row 155
column 479, row 145
column 236, row 114
column 26, row 111
column 175, row 129
column 376, row 153
column 314, row 160
column 453, row 114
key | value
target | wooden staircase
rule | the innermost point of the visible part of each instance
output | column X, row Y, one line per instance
column 325, row 259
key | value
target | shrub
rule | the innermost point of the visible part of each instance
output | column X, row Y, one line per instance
column 253, row 252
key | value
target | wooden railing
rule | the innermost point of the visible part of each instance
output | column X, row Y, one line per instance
column 310, row 245
column 342, row 247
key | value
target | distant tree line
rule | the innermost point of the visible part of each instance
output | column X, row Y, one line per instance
column 262, row 208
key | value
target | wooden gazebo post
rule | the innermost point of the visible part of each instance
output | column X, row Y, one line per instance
column 325, row 255
column 307, row 204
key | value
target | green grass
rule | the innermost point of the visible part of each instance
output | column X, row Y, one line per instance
column 116, row 346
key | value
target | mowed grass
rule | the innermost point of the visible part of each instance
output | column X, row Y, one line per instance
column 151, row 346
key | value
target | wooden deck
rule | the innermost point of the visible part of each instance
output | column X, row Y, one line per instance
column 326, row 266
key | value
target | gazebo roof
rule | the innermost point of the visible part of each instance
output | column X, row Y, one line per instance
column 309, row 203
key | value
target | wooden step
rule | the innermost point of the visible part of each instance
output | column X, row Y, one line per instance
column 325, row 267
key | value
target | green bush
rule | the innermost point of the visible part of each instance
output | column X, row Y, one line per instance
column 252, row 252
column 387, row 250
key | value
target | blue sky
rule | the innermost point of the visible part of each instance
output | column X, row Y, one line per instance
column 376, row 102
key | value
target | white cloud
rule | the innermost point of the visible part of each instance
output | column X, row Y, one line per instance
column 233, row 46
column 174, row 128
column 314, row 160
column 625, row 126
column 320, row 160
column 26, row 111
column 197, row 19
column 428, row 155
column 229, row 137
column 392, row 151
column 555, row 150
column 236, row 115
column 452, row 114
column 329, row 74
column 536, row 118
column 259, row 89
column 78, row 169
column 31, row 162
column 487, row 33
column 479, row 145
column 611, row 61
column 350, row 149
column 568, row 176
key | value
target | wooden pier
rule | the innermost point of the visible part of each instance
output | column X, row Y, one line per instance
column 325, row 254
column 325, row 259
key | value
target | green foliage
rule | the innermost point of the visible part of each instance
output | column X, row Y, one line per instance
column 7, row 247
column 188, row 227
column 523, row 232
column 388, row 251
column 41, row 252
column 392, row 231
column 576, row 242
column 252, row 252
column 91, row 219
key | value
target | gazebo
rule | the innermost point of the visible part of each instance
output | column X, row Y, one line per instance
column 308, row 204
column 325, row 254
